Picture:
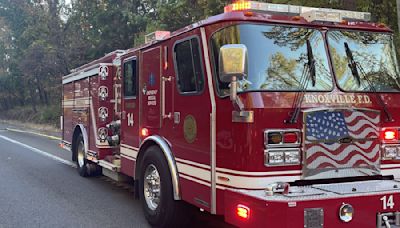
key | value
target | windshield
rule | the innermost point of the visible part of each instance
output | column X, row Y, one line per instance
column 277, row 57
column 374, row 52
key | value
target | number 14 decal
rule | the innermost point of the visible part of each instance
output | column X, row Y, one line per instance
column 387, row 202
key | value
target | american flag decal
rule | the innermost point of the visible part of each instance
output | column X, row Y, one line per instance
column 341, row 139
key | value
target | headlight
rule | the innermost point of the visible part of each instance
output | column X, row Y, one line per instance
column 292, row 157
column 275, row 157
column 390, row 152
column 346, row 212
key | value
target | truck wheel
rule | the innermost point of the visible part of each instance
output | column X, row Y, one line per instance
column 156, row 195
column 81, row 161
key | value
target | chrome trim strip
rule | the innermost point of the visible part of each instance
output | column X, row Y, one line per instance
column 170, row 160
column 129, row 147
column 280, row 145
column 163, row 86
column 129, row 152
column 338, row 109
column 127, row 157
column 213, row 122
column 81, row 75
column 89, row 71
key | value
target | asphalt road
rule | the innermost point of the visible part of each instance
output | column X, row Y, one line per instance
column 44, row 190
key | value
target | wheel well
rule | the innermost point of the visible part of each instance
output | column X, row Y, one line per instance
column 77, row 132
column 165, row 149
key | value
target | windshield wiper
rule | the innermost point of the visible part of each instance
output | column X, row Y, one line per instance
column 311, row 63
column 308, row 73
column 355, row 67
column 352, row 63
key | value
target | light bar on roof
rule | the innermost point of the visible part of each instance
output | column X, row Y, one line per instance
column 309, row 13
column 315, row 15
column 157, row 36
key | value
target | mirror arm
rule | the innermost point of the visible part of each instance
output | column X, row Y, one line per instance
column 237, row 102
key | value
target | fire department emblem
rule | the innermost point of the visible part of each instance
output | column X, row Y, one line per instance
column 103, row 72
column 103, row 93
column 103, row 113
column 152, row 79
column 190, row 129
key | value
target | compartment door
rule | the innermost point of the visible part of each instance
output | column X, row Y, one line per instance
column 151, row 83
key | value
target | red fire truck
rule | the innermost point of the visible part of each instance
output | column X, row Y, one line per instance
column 270, row 115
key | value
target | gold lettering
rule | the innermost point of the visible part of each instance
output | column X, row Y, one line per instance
column 335, row 99
column 321, row 99
column 341, row 99
column 367, row 100
column 327, row 98
column 360, row 99
column 308, row 100
column 314, row 99
column 347, row 99
column 353, row 99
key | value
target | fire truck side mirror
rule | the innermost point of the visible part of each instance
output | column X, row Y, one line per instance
column 233, row 67
column 233, row 62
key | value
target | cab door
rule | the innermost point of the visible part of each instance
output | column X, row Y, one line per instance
column 192, row 129
column 130, row 115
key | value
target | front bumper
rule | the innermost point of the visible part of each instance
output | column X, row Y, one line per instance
column 318, row 206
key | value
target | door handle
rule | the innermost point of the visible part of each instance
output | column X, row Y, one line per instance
column 163, row 113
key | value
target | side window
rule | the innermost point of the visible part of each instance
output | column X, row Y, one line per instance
column 189, row 68
column 130, row 78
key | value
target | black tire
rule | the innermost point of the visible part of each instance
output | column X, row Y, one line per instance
column 85, row 167
column 168, row 212
column 81, row 161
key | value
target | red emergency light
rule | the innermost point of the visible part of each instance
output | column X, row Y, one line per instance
column 290, row 137
column 390, row 134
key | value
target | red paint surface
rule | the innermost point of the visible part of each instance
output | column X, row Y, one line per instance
column 239, row 146
column 266, row 213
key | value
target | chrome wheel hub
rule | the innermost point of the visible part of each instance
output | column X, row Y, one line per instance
column 152, row 187
column 81, row 155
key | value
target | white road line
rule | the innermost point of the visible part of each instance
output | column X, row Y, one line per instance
column 41, row 152
column 34, row 133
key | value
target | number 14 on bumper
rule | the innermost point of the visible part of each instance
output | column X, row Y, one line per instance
column 387, row 202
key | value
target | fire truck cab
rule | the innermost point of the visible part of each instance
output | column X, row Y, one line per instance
column 270, row 115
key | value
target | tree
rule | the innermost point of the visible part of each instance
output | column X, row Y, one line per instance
column 398, row 14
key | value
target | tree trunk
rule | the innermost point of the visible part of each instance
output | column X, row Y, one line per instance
column 398, row 14
column 33, row 101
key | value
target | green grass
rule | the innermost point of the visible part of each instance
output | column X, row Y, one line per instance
column 44, row 115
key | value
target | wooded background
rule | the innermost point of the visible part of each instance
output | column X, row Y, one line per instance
column 42, row 40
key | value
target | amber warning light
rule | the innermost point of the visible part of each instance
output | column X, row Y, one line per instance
column 144, row 132
column 242, row 211
column 237, row 6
